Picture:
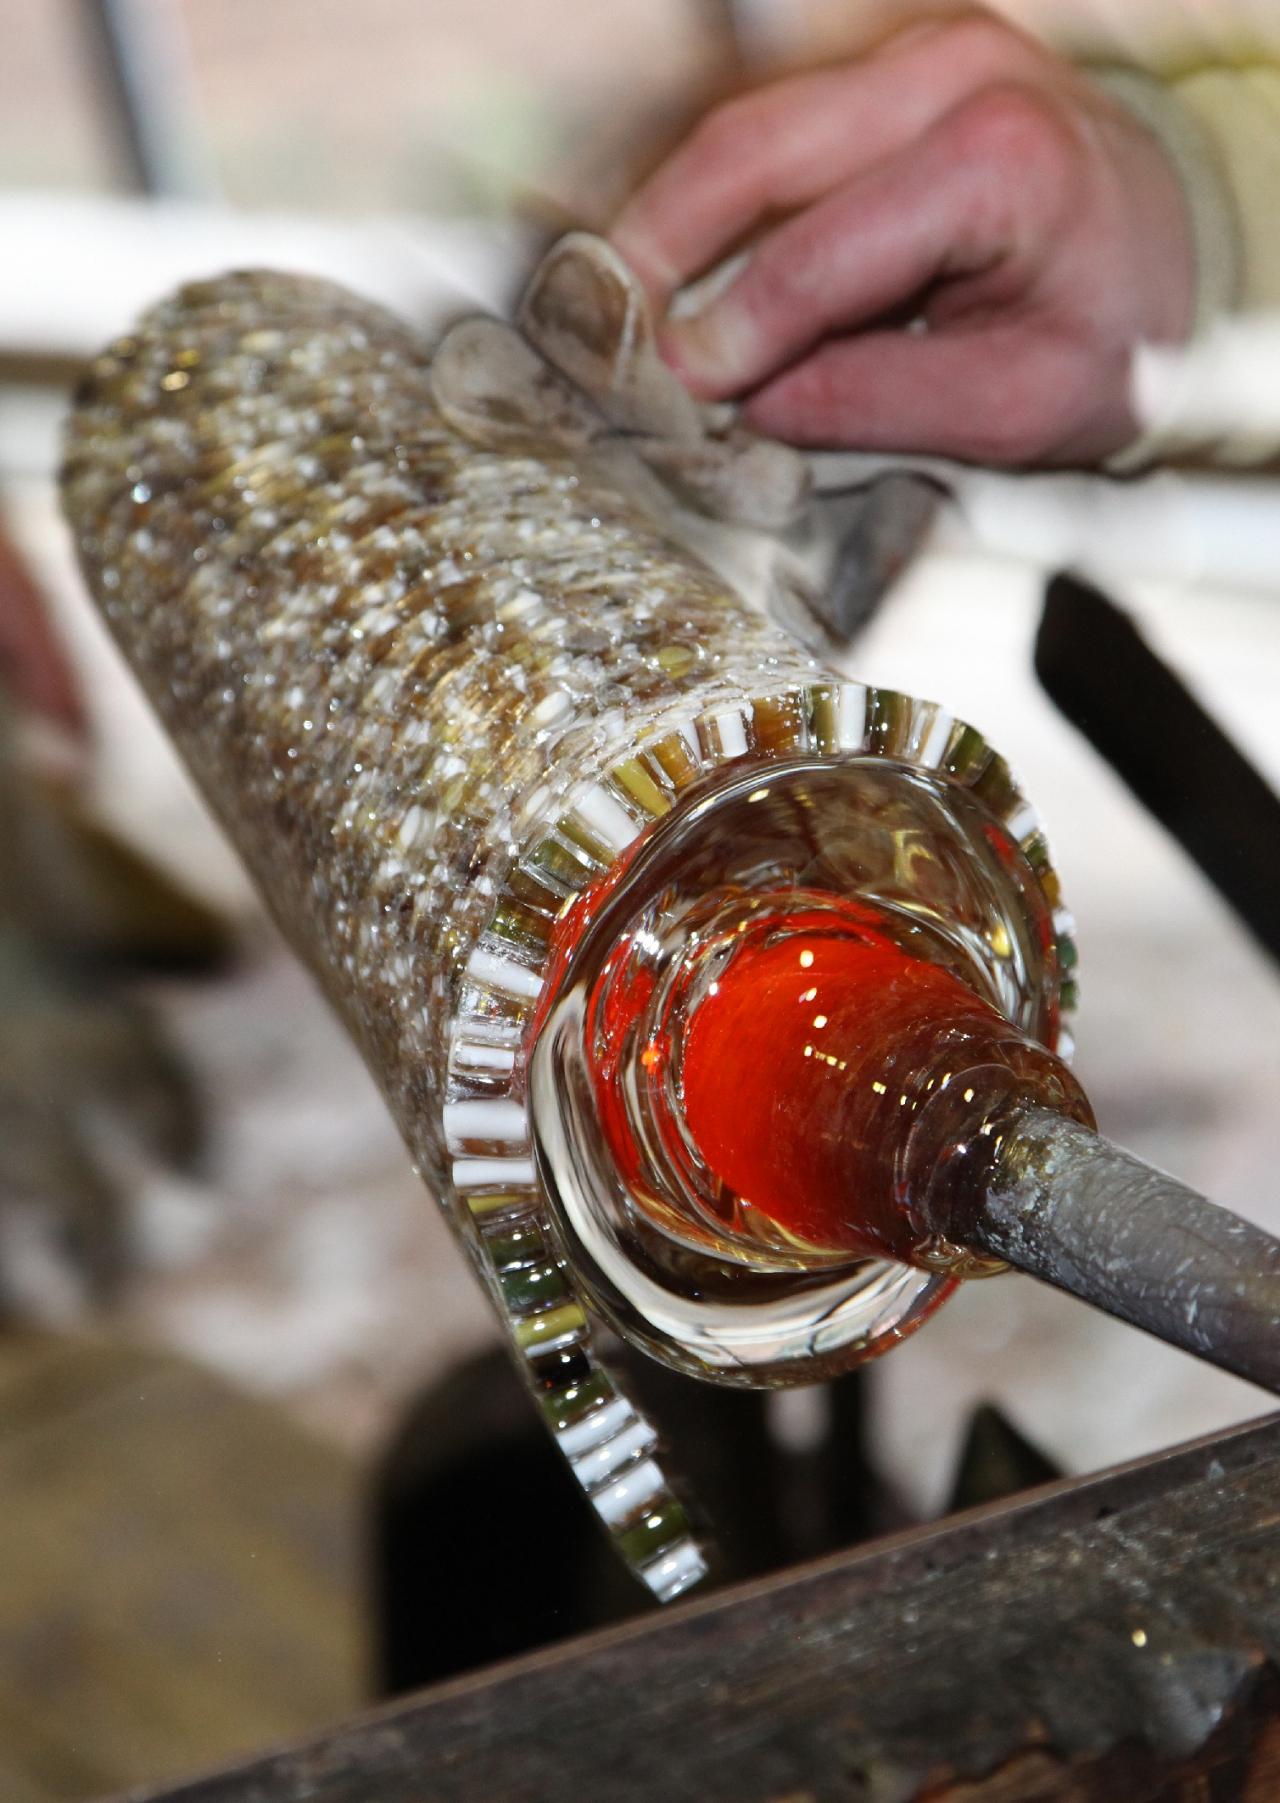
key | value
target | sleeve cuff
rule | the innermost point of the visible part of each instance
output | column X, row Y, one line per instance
column 1215, row 224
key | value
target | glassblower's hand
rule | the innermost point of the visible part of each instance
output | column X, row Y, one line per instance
column 954, row 245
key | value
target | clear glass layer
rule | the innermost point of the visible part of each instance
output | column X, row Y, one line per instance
column 860, row 792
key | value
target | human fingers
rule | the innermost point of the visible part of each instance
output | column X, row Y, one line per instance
column 979, row 195
column 782, row 146
column 1008, row 395
column 761, row 154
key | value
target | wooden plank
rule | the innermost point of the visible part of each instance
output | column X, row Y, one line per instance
column 1112, row 1637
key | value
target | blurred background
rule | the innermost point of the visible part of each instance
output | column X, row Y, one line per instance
column 223, row 1295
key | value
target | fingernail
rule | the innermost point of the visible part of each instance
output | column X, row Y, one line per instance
column 655, row 274
column 697, row 298
column 705, row 352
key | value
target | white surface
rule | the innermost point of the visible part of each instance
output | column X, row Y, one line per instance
column 1186, row 530
column 1226, row 385
column 90, row 264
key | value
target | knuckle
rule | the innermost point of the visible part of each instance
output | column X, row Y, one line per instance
column 726, row 131
column 1003, row 116
column 977, row 39
column 978, row 30
column 1015, row 127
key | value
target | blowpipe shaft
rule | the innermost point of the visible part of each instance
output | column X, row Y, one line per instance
column 1066, row 1206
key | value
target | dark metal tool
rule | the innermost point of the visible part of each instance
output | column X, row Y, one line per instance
column 1139, row 715
column 1065, row 1205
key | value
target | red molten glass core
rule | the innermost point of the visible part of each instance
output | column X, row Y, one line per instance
column 788, row 1074
column 792, row 1066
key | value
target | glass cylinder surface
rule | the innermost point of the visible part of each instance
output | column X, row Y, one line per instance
column 433, row 692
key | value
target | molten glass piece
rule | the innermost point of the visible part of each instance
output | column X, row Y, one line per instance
column 810, row 1075
column 789, row 1071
